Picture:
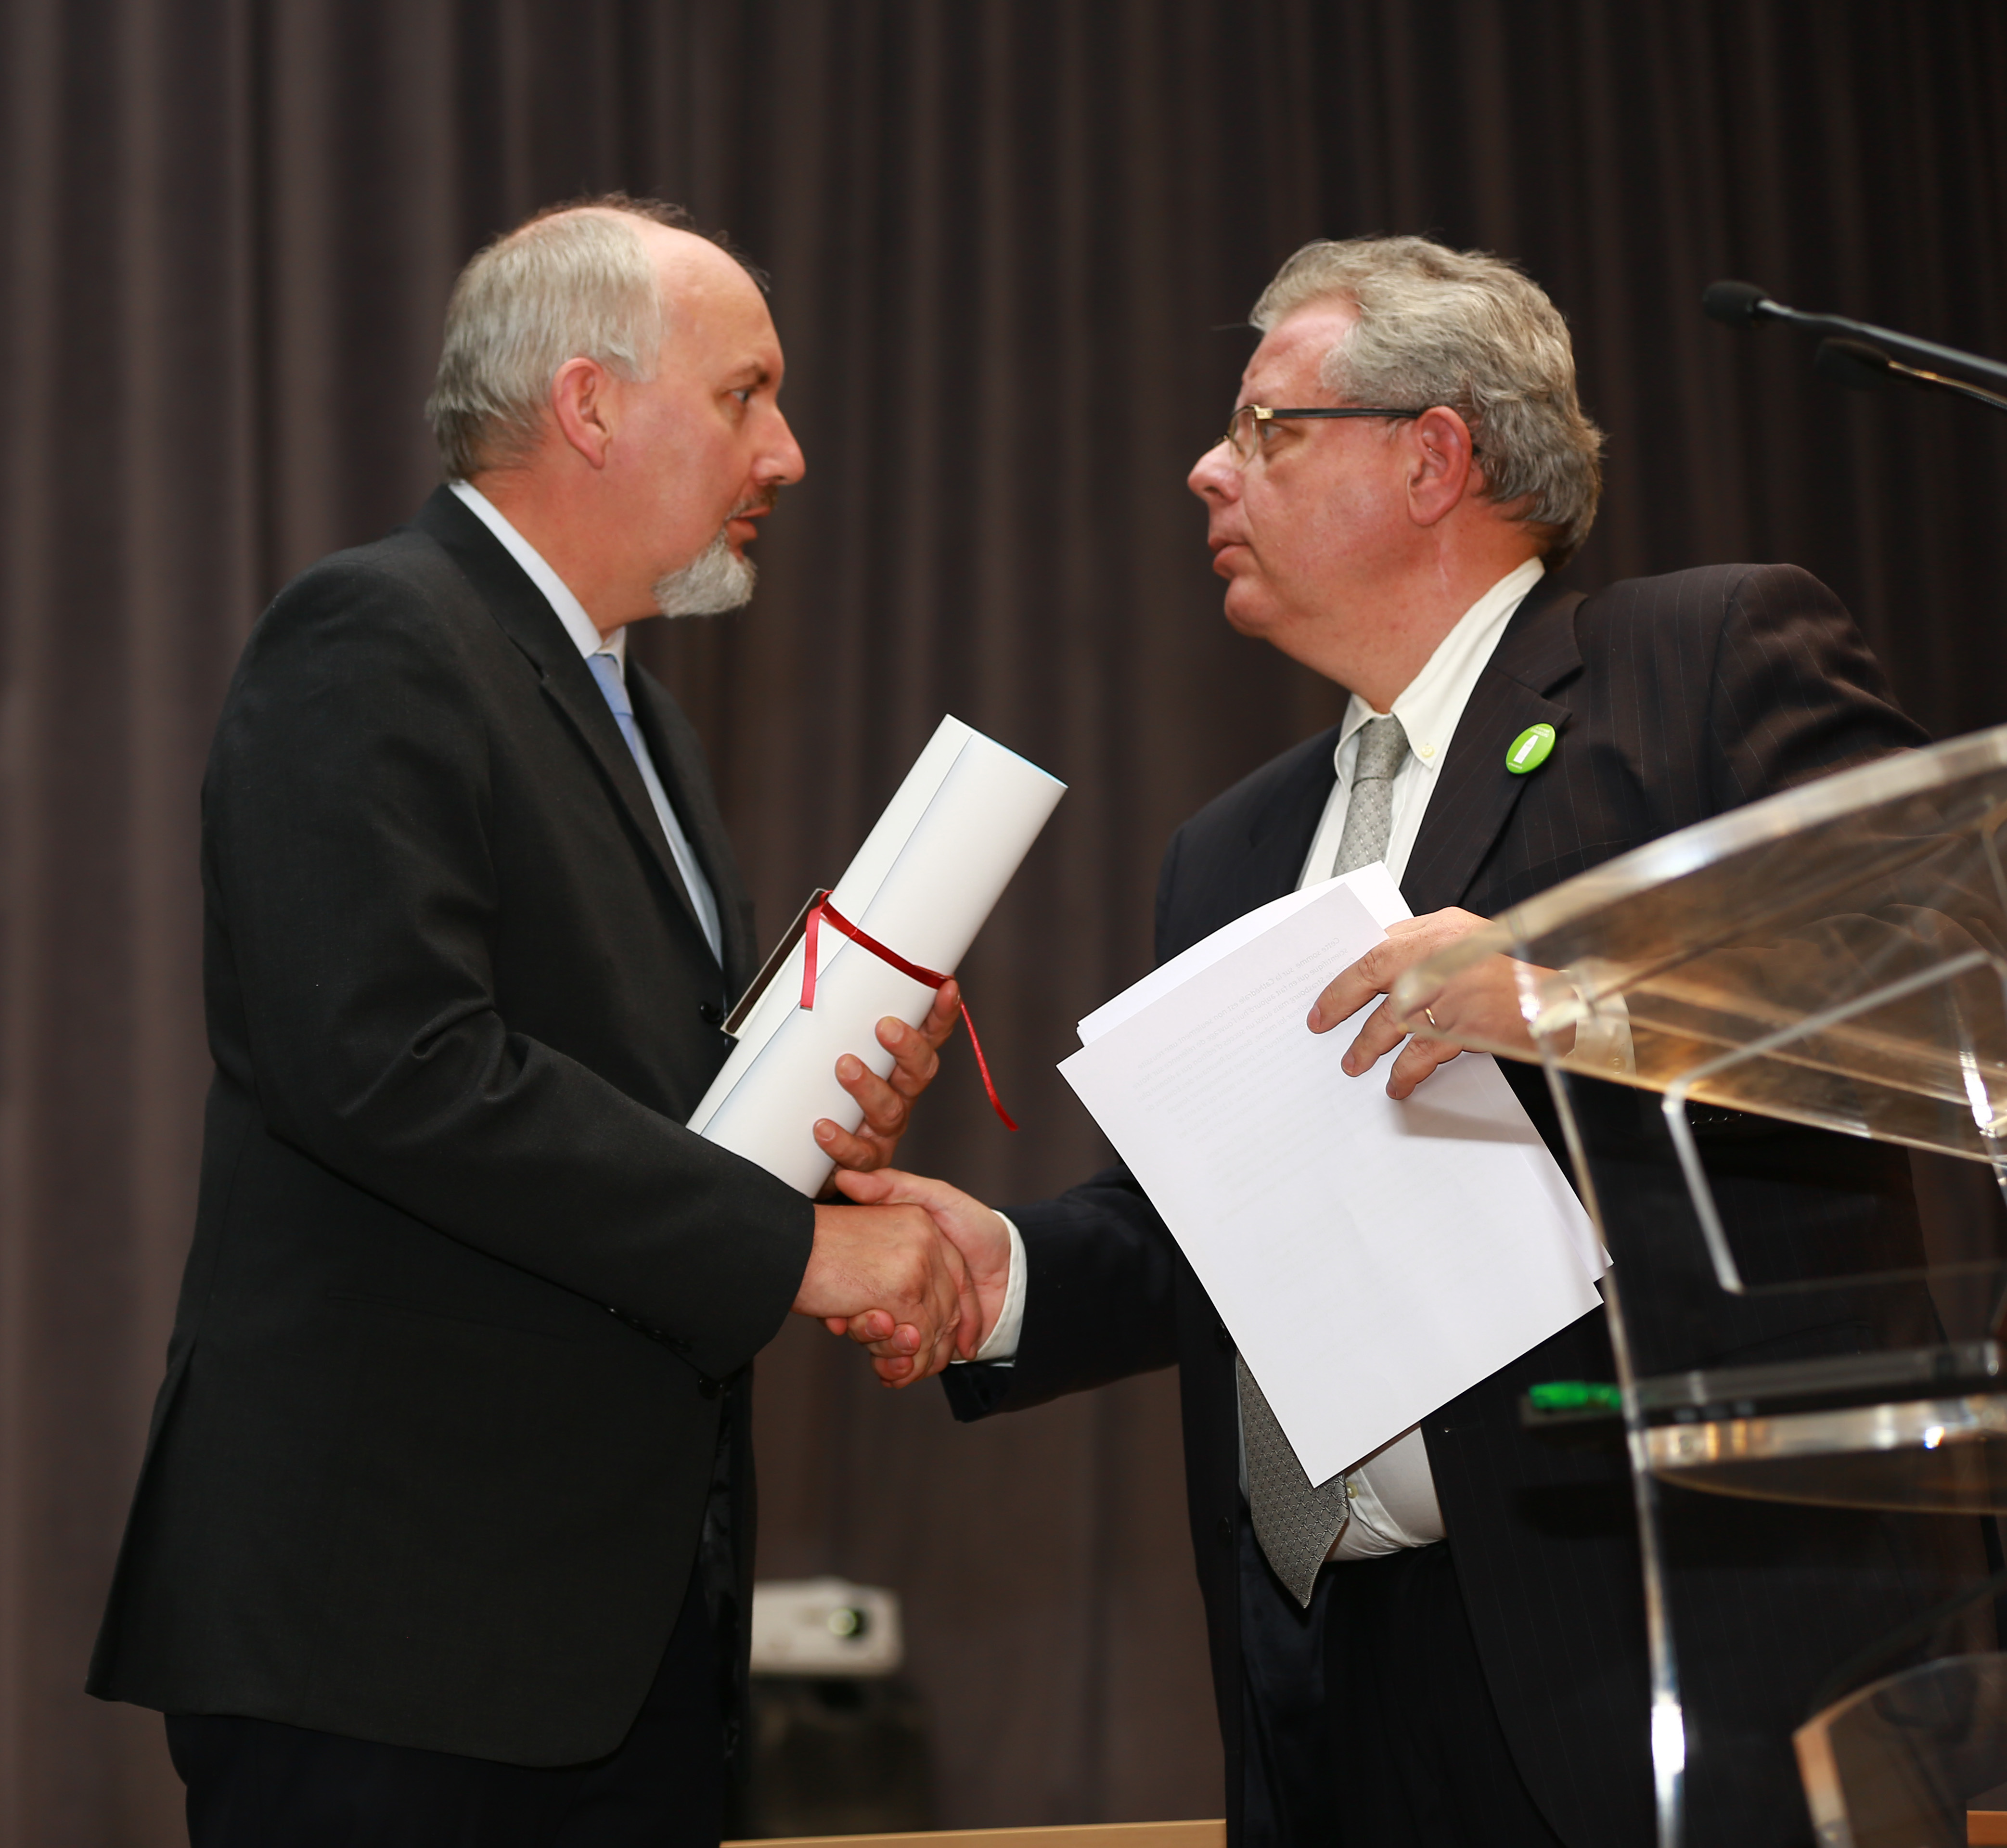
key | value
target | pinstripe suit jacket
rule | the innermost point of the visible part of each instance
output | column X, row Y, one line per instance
column 1674, row 698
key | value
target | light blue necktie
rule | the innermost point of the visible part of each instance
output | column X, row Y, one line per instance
column 606, row 671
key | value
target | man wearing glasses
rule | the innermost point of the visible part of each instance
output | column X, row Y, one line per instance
column 1446, row 1645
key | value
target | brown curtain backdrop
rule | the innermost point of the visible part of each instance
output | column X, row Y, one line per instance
column 1009, row 240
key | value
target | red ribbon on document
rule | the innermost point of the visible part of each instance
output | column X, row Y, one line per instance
column 930, row 977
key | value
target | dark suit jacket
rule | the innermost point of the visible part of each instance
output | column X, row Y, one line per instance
column 1674, row 698
column 468, row 1306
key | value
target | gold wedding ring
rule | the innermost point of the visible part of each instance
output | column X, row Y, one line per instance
column 1430, row 1018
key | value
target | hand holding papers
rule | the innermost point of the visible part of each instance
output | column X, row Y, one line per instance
column 922, row 884
column 1372, row 1257
column 1488, row 1008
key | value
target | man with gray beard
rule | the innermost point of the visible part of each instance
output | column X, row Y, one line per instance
column 444, row 1529
column 717, row 579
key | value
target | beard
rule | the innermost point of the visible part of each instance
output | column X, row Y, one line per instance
column 715, row 580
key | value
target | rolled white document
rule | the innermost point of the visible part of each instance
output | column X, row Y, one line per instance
column 922, row 884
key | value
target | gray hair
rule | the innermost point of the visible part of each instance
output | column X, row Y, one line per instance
column 1471, row 331
column 574, row 282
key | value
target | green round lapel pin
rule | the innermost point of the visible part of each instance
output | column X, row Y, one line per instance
column 1530, row 750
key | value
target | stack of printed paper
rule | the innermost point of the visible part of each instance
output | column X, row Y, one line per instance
column 1371, row 1259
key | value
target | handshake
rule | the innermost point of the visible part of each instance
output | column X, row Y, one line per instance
column 915, row 1272
column 911, row 1269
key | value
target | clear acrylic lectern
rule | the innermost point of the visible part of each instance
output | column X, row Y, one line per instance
column 1831, row 960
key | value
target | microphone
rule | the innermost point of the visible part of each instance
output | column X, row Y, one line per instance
column 1738, row 304
column 1744, row 305
column 1862, row 368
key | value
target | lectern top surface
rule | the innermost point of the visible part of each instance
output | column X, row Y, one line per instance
column 1835, row 955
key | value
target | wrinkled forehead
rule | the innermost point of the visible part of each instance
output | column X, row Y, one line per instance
column 1290, row 358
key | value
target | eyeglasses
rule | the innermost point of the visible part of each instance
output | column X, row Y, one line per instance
column 1250, row 427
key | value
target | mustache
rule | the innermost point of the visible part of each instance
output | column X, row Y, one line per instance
column 762, row 502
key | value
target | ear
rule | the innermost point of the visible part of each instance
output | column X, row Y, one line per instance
column 581, row 406
column 1442, row 468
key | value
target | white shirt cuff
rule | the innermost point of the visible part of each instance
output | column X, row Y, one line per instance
column 1001, row 1342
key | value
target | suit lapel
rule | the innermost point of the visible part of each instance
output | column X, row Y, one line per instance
column 1283, row 830
column 568, row 682
column 680, row 762
column 1259, row 861
column 1476, row 795
column 526, row 616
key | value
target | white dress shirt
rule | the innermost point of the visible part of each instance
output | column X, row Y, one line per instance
column 589, row 642
column 1428, row 708
column 1394, row 1491
column 1394, row 1501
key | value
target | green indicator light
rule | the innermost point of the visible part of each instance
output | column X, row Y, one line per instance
column 1530, row 750
column 1574, row 1395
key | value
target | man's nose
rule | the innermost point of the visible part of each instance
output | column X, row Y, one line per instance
column 1214, row 476
column 783, row 462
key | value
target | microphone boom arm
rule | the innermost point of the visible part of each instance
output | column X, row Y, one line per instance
column 1862, row 368
column 1922, row 353
column 1744, row 305
column 1978, row 393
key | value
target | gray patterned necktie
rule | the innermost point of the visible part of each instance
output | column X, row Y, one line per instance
column 1368, row 817
column 1295, row 1520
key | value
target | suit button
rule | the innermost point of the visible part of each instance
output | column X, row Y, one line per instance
column 1226, row 1527
column 707, row 1389
column 711, row 1013
column 1225, row 1340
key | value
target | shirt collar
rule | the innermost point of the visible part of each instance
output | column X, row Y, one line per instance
column 1430, row 704
column 585, row 638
